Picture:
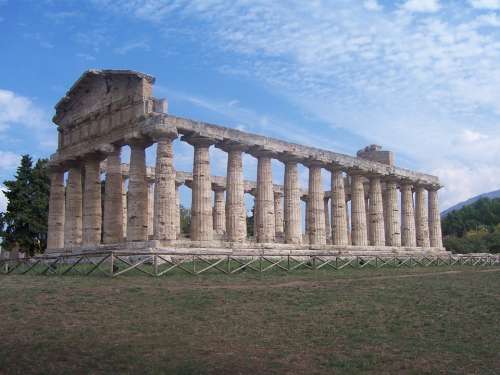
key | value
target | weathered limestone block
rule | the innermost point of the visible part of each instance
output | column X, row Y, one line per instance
column 377, row 229
column 393, row 216
column 316, row 207
column 137, row 210
column 408, row 237
column 340, row 226
column 264, row 207
column 278, row 212
column 358, row 211
column 293, row 231
column 236, row 226
column 201, row 203
column 166, row 216
column 219, row 210
column 55, row 235
column 113, row 199
column 421, row 217
column 74, row 206
column 435, row 234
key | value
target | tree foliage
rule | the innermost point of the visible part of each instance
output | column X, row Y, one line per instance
column 473, row 228
column 24, row 222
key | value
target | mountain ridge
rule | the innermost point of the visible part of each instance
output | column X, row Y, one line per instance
column 490, row 195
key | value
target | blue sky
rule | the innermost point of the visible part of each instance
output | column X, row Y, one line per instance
column 419, row 77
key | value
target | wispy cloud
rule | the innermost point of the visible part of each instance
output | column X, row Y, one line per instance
column 413, row 77
column 131, row 46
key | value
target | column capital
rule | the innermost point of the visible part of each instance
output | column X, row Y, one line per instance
column 336, row 168
column 137, row 140
column 218, row 187
column 288, row 157
column 353, row 171
column 259, row 151
column 159, row 132
column 230, row 145
column 278, row 193
column 198, row 140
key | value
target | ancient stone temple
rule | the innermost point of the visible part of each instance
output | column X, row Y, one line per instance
column 372, row 206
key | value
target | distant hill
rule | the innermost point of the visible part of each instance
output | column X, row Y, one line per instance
column 490, row 195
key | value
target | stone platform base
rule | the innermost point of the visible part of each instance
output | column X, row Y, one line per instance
column 249, row 249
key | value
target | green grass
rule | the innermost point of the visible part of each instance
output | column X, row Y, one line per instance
column 415, row 321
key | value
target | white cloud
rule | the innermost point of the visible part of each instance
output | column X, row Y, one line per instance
column 425, row 6
column 485, row 4
column 372, row 5
column 472, row 136
column 17, row 109
column 8, row 161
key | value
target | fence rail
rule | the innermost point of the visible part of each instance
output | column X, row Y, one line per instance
column 114, row 264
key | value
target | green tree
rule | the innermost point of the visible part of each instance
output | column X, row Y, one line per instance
column 185, row 214
column 25, row 221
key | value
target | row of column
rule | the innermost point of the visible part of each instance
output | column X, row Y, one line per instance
column 378, row 221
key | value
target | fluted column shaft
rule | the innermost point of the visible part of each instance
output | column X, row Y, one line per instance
column 113, row 199
column 219, row 211
column 340, row 225
column 74, row 206
column 137, row 210
column 435, row 235
column 408, row 237
column 264, row 207
column 358, row 211
column 92, row 208
column 55, row 233
column 316, row 207
column 125, row 203
column 165, row 218
column 293, row 231
column 201, row 205
column 278, row 213
column 348, row 223
column 236, row 226
column 326, row 210
column 151, row 208
column 421, row 217
column 377, row 228
column 177, row 215
column 393, row 215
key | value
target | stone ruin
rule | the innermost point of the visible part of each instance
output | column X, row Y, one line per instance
column 108, row 109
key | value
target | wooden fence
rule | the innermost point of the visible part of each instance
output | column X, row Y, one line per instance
column 114, row 264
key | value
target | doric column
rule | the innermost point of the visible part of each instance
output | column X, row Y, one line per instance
column 340, row 226
column 348, row 222
column 55, row 233
column 366, row 187
column 392, row 214
column 92, row 208
column 316, row 207
column 408, row 238
column 293, row 226
column 124, row 203
column 264, row 207
column 435, row 235
column 377, row 229
column 278, row 213
column 137, row 210
column 177, row 216
column 236, row 218
column 113, row 199
column 305, row 199
column 219, row 210
column 358, row 211
column 201, row 202
column 74, row 206
column 165, row 219
column 151, row 207
column 421, row 217
column 326, row 210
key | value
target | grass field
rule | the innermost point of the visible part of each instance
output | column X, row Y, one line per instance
column 392, row 321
